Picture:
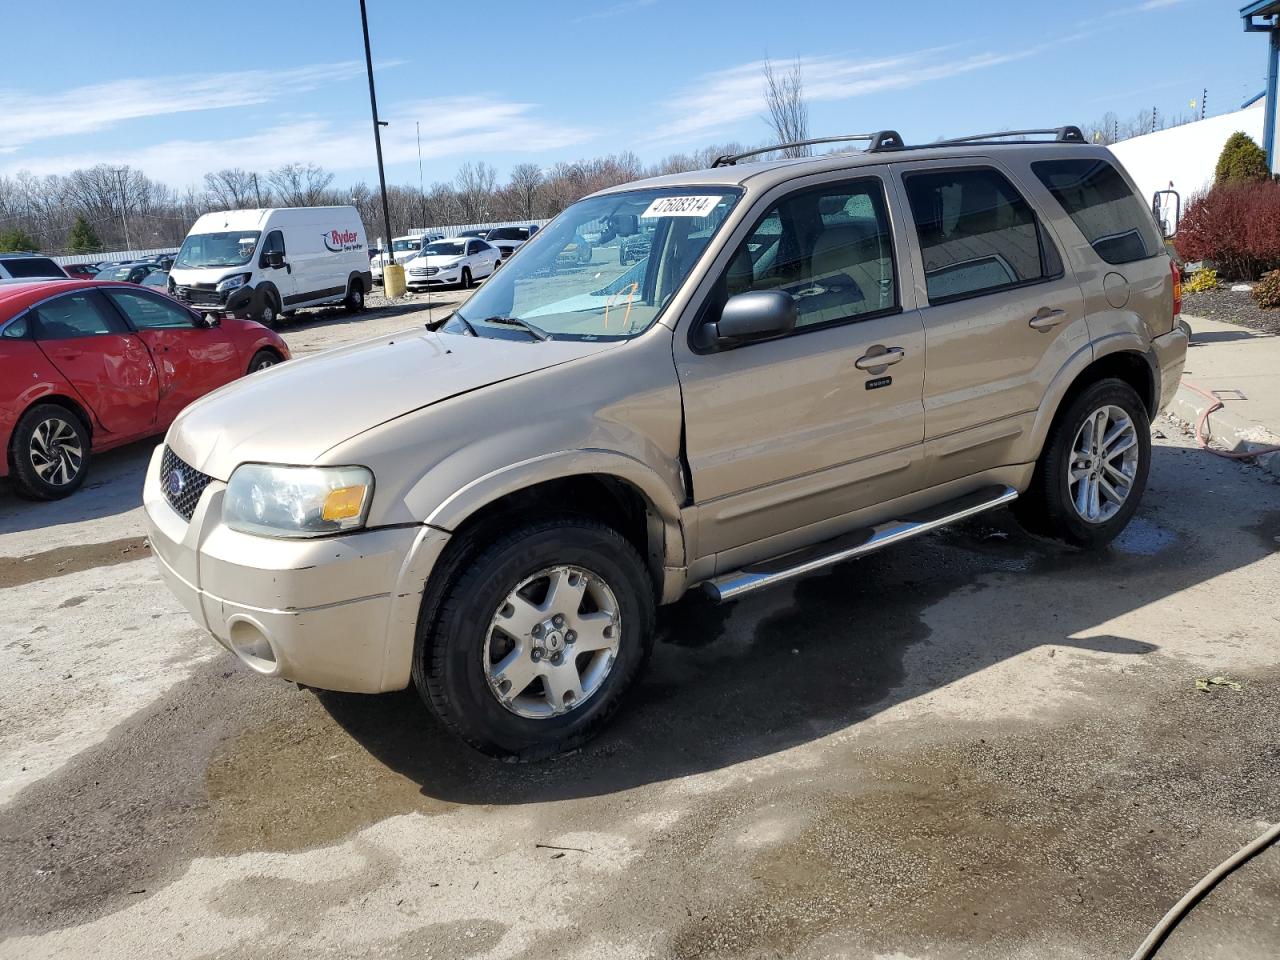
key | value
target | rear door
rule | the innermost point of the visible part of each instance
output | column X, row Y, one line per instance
column 109, row 366
column 191, row 360
column 1001, row 313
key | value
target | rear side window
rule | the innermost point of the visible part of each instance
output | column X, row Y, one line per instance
column 32, row 267
column 70, row 316
column 1095, row 196
column 977, row 234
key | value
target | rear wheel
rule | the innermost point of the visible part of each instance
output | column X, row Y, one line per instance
column 1093, row 469
column 50, row 452
column 354, row 301
column 537, row 638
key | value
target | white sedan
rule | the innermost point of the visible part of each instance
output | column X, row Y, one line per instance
column 458, row 260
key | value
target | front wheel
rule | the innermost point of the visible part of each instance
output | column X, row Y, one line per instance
column 263, row 360
column 537, row 638
column 269, row 315
column 50, row 450
column 1093, row 469
column 466, row 279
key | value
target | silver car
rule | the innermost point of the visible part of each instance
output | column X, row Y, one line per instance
column 811, row 359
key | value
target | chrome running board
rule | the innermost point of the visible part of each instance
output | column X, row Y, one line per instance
column 730, row 586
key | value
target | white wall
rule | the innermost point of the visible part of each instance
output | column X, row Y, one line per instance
column 1186, row 154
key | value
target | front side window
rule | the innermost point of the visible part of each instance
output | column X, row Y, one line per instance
column 977, row 234
column 830, row 248
column 148, row 312
column 1111, row 217
column 233, row 248
column 71, row 316
column 571, row 287
column 273, row 244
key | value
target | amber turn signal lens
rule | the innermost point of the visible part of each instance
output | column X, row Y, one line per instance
column 343, row 503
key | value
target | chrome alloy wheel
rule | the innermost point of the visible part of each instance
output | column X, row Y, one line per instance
column 55, row 452
column 552, row 642
column 1104, row 462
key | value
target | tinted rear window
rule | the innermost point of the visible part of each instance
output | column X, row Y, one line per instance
column 1110, row 216
column 507, row 233
column 31, row 267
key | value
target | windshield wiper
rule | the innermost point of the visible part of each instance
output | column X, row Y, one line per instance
column 536, row 332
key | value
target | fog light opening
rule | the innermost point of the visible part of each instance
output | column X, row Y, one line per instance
column 253, row 647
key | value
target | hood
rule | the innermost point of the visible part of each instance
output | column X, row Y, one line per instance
column 294, row 412
column 189, row 276
column 438, row 260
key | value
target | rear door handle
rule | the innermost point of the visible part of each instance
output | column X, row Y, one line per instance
column 1046, row 318
column 870, row 361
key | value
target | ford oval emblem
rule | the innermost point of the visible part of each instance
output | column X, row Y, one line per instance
column 175, row 483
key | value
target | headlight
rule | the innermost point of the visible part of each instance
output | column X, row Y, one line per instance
column 279, row 501
column 233, row 282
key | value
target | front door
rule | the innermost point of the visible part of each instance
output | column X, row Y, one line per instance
column 805, row 428
column 286, row 277
column 1001, row 314
column 192, row 360
column 106, row 364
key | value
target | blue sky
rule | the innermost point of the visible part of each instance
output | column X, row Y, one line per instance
column 184, row 88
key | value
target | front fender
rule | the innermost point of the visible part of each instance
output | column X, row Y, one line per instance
column 456, row 506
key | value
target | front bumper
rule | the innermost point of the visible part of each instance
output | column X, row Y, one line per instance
column 338, row 613
column 444, row 276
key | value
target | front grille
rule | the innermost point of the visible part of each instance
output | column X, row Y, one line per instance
column 201, row 295
column 182, row 483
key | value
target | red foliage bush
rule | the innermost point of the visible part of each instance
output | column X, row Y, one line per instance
column 1237, row 226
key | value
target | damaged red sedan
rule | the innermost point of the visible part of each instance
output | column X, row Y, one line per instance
column 90, row 365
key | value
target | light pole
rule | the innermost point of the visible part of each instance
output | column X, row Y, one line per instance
column 422, row 196
column 377, row 124
column 124, row 223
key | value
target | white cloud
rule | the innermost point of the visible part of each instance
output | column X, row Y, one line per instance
column 617, row 10
column 27, row 116
column 467, row 125
column 724, row 97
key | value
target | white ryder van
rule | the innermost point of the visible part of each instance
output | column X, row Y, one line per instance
column 262, row 264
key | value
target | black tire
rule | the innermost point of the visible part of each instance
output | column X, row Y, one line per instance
column 354, row 301
column 269, row 312
column 1048, row 508
column 49, row 443
column 466, row 278
column 263, row 360
column 448, row 663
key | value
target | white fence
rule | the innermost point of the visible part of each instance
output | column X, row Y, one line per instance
column 449, row 231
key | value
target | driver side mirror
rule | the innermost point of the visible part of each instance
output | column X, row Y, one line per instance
column 748, row 317
column 1166, row 205
column 275, row 259
column 206, row 321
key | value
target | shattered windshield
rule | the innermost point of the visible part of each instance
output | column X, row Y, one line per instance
column 605, row 268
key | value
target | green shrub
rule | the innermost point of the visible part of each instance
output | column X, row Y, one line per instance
column 1267, row 290
column 1202, row 281
column 17, row 241
column 1241, row 161
column 83, row 238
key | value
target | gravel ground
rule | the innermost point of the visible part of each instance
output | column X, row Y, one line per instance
column 1232, row 307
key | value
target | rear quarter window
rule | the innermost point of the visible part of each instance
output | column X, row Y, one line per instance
column 1112, row 218
column 31, row 267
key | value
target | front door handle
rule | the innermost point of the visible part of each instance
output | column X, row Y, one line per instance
column 1046, row 318
column 871, row 361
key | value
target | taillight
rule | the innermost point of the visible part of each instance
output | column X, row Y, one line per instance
column 1177, row 290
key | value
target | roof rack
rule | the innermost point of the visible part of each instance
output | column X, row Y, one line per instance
column 1067, row 134
column 881, row 140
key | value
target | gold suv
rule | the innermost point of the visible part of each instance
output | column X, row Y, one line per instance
column 725, row 378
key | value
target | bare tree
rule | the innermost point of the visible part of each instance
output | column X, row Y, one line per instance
column 301, row 185
column 476, row 182
column 236, row 189
column 788, row 111
column 526, row 181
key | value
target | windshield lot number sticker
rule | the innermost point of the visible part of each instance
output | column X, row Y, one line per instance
column 681, row 207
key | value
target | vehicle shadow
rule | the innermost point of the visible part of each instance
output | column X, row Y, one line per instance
column 113, row 486
column 729, row 683
column 1226, row 336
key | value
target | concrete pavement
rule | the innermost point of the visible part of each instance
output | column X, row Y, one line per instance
column 1241, row 368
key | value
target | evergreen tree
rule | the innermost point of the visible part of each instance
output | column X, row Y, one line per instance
column 17, row 241
column 1241, row 161
column 83, row 238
